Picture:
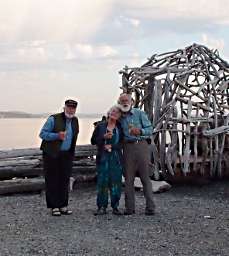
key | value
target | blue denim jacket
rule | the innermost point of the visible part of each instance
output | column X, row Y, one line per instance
column 138, row 119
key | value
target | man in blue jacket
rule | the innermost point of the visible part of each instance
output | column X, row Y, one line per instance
column 137, row 130
column 59, row 135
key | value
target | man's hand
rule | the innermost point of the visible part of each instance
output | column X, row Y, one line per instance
column 135, row 131
column 108, row 135
column 107, row 147
column 62, row 135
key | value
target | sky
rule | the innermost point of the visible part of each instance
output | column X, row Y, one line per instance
column 58, row 49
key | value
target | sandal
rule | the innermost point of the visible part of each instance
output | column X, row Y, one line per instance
column 56, row 212
column 65, row 211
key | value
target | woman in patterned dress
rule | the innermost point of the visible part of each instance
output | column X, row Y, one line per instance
column 108, row 136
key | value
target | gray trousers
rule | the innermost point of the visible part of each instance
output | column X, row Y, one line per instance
column 136, row 159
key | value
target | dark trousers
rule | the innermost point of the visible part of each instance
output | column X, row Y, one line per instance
column 57, row 173
column 136, row 159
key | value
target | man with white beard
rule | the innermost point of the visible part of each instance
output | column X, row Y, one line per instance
column 59, row 135
column 137, row 130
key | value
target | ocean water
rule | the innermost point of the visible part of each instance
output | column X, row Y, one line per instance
column 24, row 132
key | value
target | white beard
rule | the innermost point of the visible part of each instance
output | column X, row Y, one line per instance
column 125, row 108
column 70, row 116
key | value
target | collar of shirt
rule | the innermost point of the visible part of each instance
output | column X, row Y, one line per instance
column 130, row 112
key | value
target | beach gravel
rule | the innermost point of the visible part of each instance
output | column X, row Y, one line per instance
column 192, row 221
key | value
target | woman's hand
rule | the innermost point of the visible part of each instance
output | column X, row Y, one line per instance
column 108, row 135
column 107, row 147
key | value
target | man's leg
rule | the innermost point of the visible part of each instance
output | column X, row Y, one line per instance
column 51, row 170
column 129, row 173
column 64, row 178
column 143, row 169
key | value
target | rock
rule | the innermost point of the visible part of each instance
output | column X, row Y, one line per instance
column 160, row 186
column 157, row 186
column 71, row 183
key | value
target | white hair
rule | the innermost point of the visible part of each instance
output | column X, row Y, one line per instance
column 117, row 106
column 125, row 94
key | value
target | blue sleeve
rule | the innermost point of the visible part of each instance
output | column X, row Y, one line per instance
column 47, row 130
column 147, row 128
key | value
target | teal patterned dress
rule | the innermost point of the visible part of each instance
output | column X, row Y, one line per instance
column 109, row 174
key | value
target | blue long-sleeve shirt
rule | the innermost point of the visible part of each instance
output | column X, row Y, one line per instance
column 138, row 119
column 48, row 134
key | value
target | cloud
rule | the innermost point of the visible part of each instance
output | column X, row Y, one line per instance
column 216, row 11
column 132, row 21
column 32, row 54
column 88, row 51
column 54, row 20
column 214, row 43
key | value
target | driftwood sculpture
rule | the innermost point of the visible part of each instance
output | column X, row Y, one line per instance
column 185, row 94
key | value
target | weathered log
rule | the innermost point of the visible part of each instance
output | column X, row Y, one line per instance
column 21, row 171
column 84, row 162
column 9, row 173
column 19, row 153
column 193, row 103
column 195, row 142
column 81, row 151
column 19, row 162
column 83, row 170
column 222, row 149
column 21, row 186
column 216, row 131
column 157, row 102
column 187, row 142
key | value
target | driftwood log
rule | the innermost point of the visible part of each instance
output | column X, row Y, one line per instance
column 186, row 96
column 21, row 170
column 21, row 185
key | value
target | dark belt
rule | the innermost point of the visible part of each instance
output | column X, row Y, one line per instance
column 134, row 141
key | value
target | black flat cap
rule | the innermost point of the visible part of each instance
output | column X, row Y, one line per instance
column 71, row 103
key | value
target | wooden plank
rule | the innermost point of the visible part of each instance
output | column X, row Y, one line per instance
column 186, row 168
column 222, row 149
column 195, row 142
column 156, row 160
column 157, row 102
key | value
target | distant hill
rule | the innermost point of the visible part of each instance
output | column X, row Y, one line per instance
column 18, row 114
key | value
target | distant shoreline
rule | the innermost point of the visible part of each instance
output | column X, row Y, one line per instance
column 23, row 115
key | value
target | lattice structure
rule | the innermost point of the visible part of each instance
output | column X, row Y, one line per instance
column 186, row 95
